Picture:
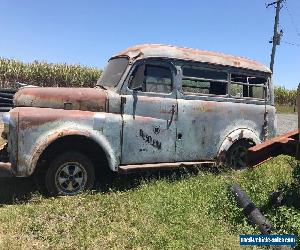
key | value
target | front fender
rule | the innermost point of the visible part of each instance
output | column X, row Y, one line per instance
column 38, row 128
column 49, row 138
column 234, row 136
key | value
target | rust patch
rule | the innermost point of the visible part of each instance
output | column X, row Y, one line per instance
column 241, row 135
column 144, row 119
column 88, row 99
column 208, row 107
column 286, row 144
column 222, row 156
column 32, row 117
column 159, row 50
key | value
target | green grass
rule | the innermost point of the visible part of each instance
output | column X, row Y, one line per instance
column 162, row 210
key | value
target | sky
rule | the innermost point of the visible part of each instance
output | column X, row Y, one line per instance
column 90, row 32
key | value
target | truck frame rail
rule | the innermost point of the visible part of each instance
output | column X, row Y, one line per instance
column 286, row 144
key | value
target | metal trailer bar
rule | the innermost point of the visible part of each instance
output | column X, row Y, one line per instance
column 286, row 144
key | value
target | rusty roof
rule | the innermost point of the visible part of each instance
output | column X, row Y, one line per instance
column 169, row 51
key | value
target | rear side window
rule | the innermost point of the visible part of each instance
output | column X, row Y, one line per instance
column 248, row 86
column 199, row 81
column 158, row 79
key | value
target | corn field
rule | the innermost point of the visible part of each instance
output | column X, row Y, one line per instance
column 64, row 75
column 285, row 96
column 46, row 74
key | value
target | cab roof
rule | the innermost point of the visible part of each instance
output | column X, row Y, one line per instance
column 169, row 51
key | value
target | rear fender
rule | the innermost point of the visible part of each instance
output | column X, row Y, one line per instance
column 234, row 136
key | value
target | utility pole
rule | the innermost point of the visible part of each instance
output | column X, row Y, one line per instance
column 276, row 35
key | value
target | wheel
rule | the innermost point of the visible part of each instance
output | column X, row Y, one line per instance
column 236, row 155
column 69, row 174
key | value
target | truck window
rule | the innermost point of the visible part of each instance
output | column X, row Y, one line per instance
column 152, row 78
column 248, row 86
column 204, row 81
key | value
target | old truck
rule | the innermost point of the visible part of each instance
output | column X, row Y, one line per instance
column 155, row 106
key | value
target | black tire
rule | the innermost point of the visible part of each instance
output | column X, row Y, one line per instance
column 60, row 178
column 5, row 109
column 7, row 95
column 12, row 91
column 5, row 104
column 237, row 153
column 6, row 100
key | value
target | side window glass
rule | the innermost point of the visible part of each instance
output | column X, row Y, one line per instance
column 151, row 78
column 248, row 86
column 203, row 81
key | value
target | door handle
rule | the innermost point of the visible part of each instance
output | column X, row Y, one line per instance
column 172, row 116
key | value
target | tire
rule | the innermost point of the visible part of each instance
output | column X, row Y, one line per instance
column 5, row 109
column 237, row 153
column 60, row 178
column 6, row 95
column 6, row 100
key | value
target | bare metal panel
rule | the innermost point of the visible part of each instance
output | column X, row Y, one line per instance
column 38, row 128
column 205, row 124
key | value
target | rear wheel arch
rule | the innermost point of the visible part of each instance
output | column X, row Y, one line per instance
column 235, row 137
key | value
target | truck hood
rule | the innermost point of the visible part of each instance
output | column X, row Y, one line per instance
column 89, row 99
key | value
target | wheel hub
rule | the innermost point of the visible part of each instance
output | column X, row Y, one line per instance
column 70, row 178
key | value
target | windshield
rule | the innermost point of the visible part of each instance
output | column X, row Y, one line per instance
column 113, row 72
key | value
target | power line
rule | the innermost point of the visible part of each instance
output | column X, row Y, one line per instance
column 293, row 44
column 292, row 19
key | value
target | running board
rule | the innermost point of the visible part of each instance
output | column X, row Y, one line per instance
column 165, row 165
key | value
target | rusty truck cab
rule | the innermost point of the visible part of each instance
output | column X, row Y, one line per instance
column 215, row 105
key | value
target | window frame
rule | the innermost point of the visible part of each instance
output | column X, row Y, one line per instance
column 202, row 67
column 265, row 86
column 180, row 63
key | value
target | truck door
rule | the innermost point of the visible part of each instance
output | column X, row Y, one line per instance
column 149, row 114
